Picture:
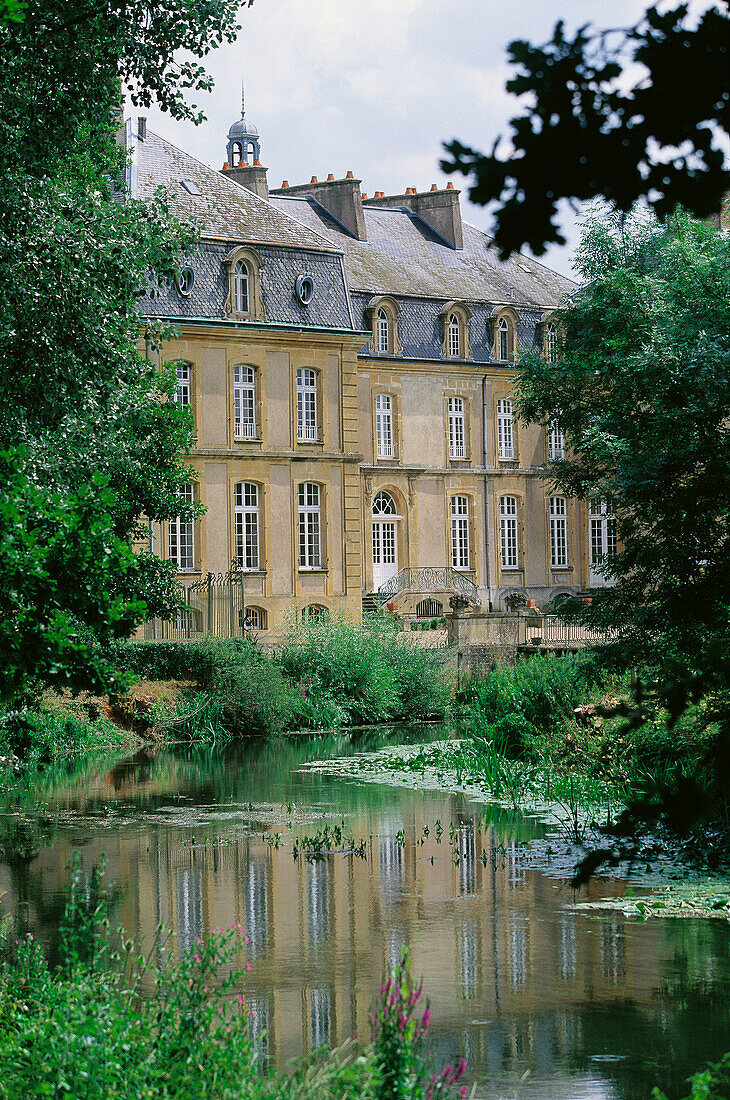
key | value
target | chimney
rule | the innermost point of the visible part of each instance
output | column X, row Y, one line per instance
column 141, row 128
column 250, row 176
column 341, row 198
column 440, row 209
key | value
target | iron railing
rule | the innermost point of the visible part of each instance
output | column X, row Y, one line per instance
column 429, row 578
column 552, row 631
column 214, row 605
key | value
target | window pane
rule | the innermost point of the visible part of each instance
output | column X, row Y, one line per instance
column 556, row 442
column 505, row 430
column 383, row 333
column 244, row 403
column 384, row 425
column 558, row 533
column 460, row 532
column 241, row 287
column 309, row 526
column 508, row 532
column 457, row 433
column 246, row 521
column 182, row 393
column 181, row 532
column 454, row 336
column 307, row 404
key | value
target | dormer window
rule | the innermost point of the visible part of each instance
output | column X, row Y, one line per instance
column 241, row 284
column 244, row 300
column 454, row 336
column 504, row 322
column 551, row 342
column 455, row 321
column 383, row 331
column 503, row 340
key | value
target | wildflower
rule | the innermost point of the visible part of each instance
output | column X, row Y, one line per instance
column 248, row 966
column 426, row 1019
column 245, row 938
column 197, row 957
column 239, row 998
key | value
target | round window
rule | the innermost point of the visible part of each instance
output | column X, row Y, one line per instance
column 185, row 281
column 305, row 288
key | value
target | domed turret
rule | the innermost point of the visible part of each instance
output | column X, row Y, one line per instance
column 244, row 145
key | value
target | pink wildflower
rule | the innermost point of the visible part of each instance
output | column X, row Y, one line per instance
column 239, row 998
column 248, row 966
column 426, row 1019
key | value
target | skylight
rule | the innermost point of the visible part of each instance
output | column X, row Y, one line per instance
column 190, row 187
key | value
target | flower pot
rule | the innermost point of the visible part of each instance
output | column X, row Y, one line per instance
column 392, row 606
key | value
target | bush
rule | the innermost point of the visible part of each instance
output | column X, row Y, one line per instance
column 45, row 734
column 515, row 707
column 370, row 675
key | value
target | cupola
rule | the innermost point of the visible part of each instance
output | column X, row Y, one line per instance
column 242, row 155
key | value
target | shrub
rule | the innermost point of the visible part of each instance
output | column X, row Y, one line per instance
column 45, row 734
column 374, row 674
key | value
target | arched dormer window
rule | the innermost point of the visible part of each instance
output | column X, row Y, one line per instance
column 244, row 300
column 382, row 313
column 504, row 322
column 550, row 332
column 455, row 322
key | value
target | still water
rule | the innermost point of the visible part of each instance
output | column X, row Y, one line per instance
column 544, row 1002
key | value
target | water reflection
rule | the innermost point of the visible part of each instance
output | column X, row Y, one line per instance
column 571, row 1004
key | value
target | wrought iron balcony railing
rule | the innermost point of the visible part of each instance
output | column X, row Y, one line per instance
column 428, row 578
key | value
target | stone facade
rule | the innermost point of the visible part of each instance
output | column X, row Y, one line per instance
column 405, row 326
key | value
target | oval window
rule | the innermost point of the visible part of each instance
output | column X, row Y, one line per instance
column 185, row 281
column 305, row 288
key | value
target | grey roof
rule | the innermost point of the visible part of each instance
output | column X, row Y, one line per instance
column 403, row 256
column 223, row 208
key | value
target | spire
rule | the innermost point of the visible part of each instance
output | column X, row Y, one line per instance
column 243, row 100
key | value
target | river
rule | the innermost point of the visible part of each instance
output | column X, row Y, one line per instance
column 543, row 1001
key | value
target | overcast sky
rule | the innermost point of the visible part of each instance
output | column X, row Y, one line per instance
column 375, row 86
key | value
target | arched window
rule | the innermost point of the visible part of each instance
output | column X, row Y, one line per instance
column 503, row 340
column 384, row 505
column 250, row 153
column 244, row 403
column 310, row 528
column 246, row 523
column 508, row 532
column 241, row 282
column 307, row 419
column 382, row 326
column 454, row 327
column 254, row 618
column 558, row 533
column 460, row 557
column 429, row 609
column 236, row 154
column 315, row 613
column 181, row 533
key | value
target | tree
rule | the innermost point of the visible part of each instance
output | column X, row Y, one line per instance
column 591, row 128
column 641, row 388
column 90, row 440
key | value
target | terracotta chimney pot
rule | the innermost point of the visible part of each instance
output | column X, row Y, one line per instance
column 349, row 176
column 257, row 164
column 225, row 165
column 314, row 180
column 434, row 187
column 364, row 194
column 449, row 186
column 285, row 183
column 330, row 178
column 379, row 195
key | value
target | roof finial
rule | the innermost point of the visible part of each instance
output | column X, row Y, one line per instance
column 243, row 101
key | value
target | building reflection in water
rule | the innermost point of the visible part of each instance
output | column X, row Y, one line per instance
column 320, row 1018
column 318, row 901
column 256, row 913
column 189, row 906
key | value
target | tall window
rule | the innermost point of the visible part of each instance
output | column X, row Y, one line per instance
column 184, row 385
column 457, row 428
column 383, row 330
column 242, row 287
column 384, row 425
column 508, row 532
column 307, row 404
column 460, row 532
column 246, row 521
column 503, row 341
column 454, row 336
column 602, row 523
column 244, row 403
column 505, row 429
column 310, row 551
column 181, row 534
column 551, row 342
column 556, row 442
column 558, row 533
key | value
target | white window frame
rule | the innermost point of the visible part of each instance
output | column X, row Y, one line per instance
column 551, row 342
column 309, row 498
column 508, row 536
column 457, row 427
column 454, row 329
column 558, row 533
column 384, row 441
column 247, row 525
column 602, row 541
column 244, row 402
column 382, row 331
column 503, row 340
column 460, row 549
column 242, row 287
column 556, row 442
column 505, row 429
column 181, row 534
column 183, row 394
column 307, row 395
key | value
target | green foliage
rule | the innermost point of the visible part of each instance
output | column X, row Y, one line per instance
column 537, row 697
column 91, row 440
column 618, row 134
column 365, row 675
column 712, row 1083
column 46, row 734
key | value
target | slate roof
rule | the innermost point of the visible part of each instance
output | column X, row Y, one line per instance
column 403, row 256
column 222, row 208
